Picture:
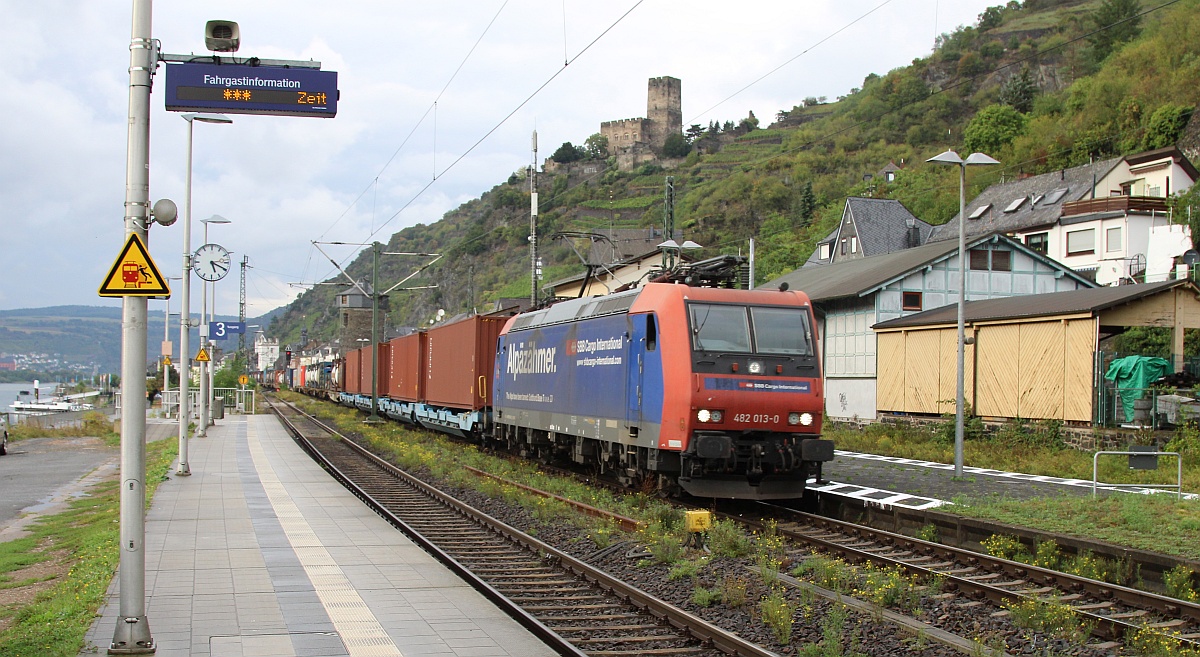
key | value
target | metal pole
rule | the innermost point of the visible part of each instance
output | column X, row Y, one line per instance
column 960, row 400
column 132, row 634
column 202, row 425
column 374, row 333
column 166, row 386
column 185, row 317
column 533, row 210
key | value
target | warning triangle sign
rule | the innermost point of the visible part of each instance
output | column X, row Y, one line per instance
column 202, row 357
column 134, row 274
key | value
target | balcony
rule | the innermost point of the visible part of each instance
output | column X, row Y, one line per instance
column 1125, row 204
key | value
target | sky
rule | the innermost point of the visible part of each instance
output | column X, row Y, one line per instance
column 437, row 104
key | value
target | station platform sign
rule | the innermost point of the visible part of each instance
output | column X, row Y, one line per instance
column 244, row 89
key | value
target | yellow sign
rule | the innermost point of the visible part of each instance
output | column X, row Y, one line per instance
column 134, row 274
column 167, row 360
column 202, row 357
column 243, row 379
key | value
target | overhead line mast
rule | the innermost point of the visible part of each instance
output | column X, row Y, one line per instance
column 533, row 210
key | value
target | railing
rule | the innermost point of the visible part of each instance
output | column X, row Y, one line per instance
column 1146, row 204
column 235, row 400
column 1178, row 485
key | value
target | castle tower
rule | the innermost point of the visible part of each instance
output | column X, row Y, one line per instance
column 664, row 108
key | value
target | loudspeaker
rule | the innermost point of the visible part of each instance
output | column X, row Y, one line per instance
column 221, row 36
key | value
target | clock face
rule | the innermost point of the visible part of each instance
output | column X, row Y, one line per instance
column 211, row 262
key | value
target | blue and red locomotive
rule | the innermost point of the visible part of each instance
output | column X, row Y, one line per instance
column 714, row 392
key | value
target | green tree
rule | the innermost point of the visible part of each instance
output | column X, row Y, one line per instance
column 1019, row 92
column 1165, row 125
column 993, row 127
column 694, row 131
column 596, row 147
column 1116, row 22
column 806, row 205
column 568, row 152
column 676, row 145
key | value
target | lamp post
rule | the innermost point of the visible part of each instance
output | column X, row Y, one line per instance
column 185, row 317
column 206, row 367
column 950, row 157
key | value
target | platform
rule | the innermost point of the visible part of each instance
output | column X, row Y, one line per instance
column 260, row 552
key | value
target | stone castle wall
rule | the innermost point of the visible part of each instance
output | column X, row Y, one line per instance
column 634, row 141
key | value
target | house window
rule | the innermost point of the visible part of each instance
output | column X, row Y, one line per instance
column 985, row 260
column 1112, row 238
column 843, row 246
column 1039, row 242
column 823, row 251
column 1081, row 242
column 853, row 244
column 911, row 301
column 890, row 176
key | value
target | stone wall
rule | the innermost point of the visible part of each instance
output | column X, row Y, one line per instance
column 624, row 134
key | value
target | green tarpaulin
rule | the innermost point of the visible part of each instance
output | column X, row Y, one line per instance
column 1132, row 375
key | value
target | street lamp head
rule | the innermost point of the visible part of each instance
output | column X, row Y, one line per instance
column 980, row 158
column 216, row 219
column 949, row 157
column 688, row 244
column 669, row 244
column 206, row 118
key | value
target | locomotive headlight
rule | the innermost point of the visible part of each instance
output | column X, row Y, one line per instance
column 706, row 416
column 806, row 419
column 793, row 418
column 755, row 367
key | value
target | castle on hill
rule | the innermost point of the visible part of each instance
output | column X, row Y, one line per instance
column 636, row 141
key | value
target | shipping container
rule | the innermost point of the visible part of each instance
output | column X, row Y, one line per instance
column 351, row 372
column 366, row 370
column 383, row 371
column 406, row 368
column 459, row 359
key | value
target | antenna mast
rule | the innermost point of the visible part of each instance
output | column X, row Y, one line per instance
column 533, row 210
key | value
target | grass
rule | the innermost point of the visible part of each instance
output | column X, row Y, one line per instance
column 1158, row 523
column 78, row 548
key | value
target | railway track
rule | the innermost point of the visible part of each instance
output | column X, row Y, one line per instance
column 1113, row 610
column 573, row 607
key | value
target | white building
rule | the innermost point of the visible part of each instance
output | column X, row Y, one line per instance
column 1109, row 219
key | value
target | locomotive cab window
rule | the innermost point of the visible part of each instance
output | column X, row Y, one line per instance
column 781, row 331
column 757, row 329
column 719, row 328
column 651, row 333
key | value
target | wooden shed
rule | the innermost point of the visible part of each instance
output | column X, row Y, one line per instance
column 1033, row 357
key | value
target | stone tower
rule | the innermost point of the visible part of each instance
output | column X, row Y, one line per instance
column 664, row 108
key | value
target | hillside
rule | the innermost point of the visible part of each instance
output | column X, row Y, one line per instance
column 1039, row 85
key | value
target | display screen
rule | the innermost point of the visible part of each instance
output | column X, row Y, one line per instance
column 241, row 89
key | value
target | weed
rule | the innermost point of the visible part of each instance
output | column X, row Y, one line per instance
column 890, row 587
column 769, row 552
column 702, row 597
column 727, row 539
column 928, row 533
column 1049, row 617
column 733, row 591
column 683, row 569
column 778, row 615
column 602, row 532
column 663, row 544
column 1178, row 583
column 830, row 573
column 1086, row 564
column 1005, row 547
column 1046, row 555
column 1148, row 642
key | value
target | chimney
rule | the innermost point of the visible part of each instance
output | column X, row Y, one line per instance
column 914, row 233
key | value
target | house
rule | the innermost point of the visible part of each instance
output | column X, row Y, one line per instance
column 1033, row 357
column 870, row 227
column 1108, row 219
column 852, row 296
column 608, row 278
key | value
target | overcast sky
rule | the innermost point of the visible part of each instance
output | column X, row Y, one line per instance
column 285, row 182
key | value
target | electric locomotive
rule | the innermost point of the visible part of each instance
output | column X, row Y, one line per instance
column 713, row 391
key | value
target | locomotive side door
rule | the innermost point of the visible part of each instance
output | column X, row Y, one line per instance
column 643, row 342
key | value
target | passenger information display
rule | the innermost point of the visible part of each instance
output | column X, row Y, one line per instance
column 242, row 89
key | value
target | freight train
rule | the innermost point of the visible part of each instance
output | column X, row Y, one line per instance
column 709, row 391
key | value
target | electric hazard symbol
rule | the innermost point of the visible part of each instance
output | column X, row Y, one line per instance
column 134, row 274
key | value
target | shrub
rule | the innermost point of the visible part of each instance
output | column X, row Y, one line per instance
column 727, row 539
column 777, row 614
column 733, row 591
column 702, row 597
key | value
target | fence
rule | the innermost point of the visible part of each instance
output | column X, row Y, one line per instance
column 49, row 420
column 234, row 400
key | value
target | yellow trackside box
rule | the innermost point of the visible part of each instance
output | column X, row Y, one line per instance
column 698, row 521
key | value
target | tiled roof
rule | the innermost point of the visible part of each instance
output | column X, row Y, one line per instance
column 882, row 227
column 852, row 278
column 1035, row 305
column 1043, row 196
